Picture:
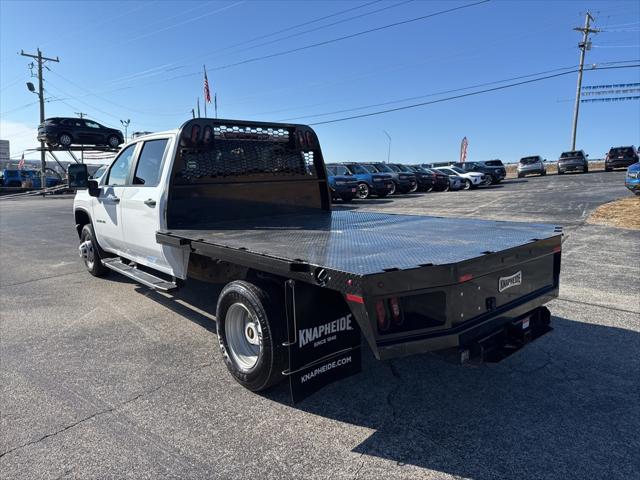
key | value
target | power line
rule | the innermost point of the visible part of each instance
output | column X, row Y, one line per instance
column 352, row 35
column 470, row 94
column 251, row 40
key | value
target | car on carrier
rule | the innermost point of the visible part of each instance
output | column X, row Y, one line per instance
column 247, row 205
column 343, row 186
column 370, row 182
column 572, row 161
column 65, row 132
column 620, row 157
column 533, row 165
column 493, row 169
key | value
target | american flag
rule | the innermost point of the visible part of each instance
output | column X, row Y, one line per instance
column 207, row 93
column 21, row 162
column 463, row 150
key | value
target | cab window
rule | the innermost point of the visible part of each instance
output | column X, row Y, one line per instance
column 150, row 163
column 119, row 172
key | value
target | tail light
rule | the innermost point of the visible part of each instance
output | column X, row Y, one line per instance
column 395, row 310
column 383, row 320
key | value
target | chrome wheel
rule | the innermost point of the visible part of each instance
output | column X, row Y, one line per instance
column 467, row 185
column 244, row 336
column 392, row 190
column 87, row 253
column 363, row 190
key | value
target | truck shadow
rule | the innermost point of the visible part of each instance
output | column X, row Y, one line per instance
column 565, row 406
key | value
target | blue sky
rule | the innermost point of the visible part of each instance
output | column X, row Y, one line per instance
column 142, row 61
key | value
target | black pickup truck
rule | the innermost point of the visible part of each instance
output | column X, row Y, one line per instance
column 247, row 204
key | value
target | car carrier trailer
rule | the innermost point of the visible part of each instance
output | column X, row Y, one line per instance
column 247, row 204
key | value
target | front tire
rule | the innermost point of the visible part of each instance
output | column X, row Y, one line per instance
column 467, row 184
column 249, row 324
column 113, row 141
column 90, row 252
column 363, row 191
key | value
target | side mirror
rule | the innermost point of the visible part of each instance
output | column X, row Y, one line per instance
column 94, row 189
column 77, row 175
column 587, row 155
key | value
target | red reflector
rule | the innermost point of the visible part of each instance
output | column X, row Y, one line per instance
column 354, row 298
column 465, row 278
column 395, row 310
column 557, row 249
column 381, row 311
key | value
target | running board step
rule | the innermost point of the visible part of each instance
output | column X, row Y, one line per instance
column 139, row 276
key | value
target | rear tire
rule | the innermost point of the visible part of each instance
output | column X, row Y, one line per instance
column 91, row 252
column 249, row 324
column 65, row 140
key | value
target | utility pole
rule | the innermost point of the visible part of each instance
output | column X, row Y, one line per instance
column 40, row 59
column 389, row 147
column 81, row 115
column 583, row 46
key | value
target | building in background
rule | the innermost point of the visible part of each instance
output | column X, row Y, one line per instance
column 5, row 153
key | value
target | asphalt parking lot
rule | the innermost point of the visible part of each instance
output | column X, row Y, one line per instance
column 102, row 378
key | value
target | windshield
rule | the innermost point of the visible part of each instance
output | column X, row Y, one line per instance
column 331, row 170
column 358, row 169
column 494, row 163
column 370, row 168
column 528, row 160
column 458, row 169
column 404, row 168
column 629, row 151
column 384, row 168
column 576, row 153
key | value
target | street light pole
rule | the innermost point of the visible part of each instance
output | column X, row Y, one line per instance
column 125, row 124
column 389, row 148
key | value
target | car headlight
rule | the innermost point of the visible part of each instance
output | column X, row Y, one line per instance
column 633, row 174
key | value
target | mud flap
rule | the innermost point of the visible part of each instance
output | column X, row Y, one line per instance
column 323, row 338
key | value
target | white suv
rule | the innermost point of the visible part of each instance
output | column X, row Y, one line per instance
column 469, row 179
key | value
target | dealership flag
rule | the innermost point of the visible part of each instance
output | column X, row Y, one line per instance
column 21, row 162
column 207, row 93
column 463, row 149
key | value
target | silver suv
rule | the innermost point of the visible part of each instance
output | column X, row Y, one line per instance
column 531, row 165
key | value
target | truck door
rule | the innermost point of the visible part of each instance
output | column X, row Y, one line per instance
column 142, row 207
column 107, row 210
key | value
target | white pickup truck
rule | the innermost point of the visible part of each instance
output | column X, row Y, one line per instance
column 247, row 205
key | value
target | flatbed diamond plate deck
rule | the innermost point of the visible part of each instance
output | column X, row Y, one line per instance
column 364, row 243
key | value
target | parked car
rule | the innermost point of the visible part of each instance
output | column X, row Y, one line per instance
column 342, row 187
column 531, row 166
column 572, row 161
column 29, row 178
column 493, row 169
column 426, row 180
column 444, row 181
column 369, row 182
column 80, row 131
column 632, row 179
column 620, row 157
column 405, row 181
column 469, row 179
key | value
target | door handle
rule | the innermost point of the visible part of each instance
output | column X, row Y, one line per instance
column 112, row 198
column 150, row 202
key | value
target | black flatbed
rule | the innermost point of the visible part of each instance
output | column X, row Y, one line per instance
column 363, row 243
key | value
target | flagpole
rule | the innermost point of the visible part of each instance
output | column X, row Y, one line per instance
column 198, row 107
column 215, row 103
